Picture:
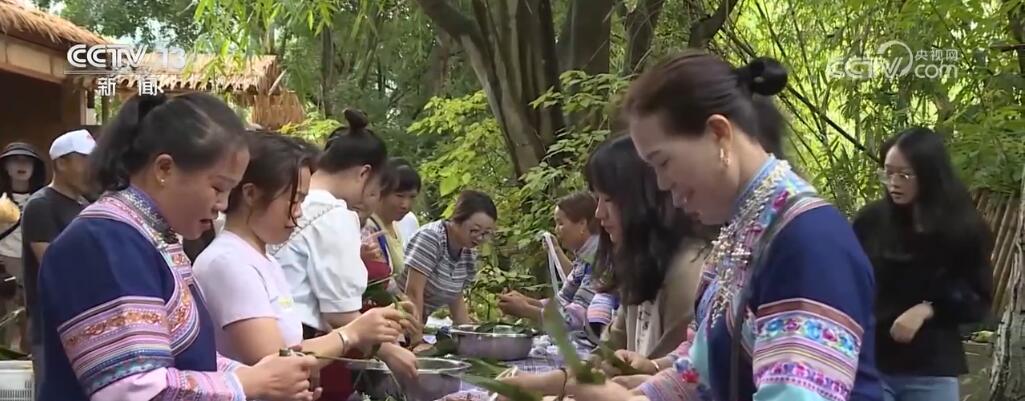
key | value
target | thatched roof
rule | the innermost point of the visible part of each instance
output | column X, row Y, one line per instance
column 42, row 28
column 255, row 75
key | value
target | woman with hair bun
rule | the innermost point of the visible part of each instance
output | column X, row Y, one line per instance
column 784, row 310
column 322, row 258
column 249, row 299
column 122, row 316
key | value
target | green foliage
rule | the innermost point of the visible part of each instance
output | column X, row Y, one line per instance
column 314, row 129
column 151, row 22
column 978, row 106
column 470, row 153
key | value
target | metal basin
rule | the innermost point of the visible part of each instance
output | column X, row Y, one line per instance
column 503, row 344
column 436, row 378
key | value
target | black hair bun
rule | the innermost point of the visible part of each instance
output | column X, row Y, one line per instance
column 356, row 119
column 764, row 76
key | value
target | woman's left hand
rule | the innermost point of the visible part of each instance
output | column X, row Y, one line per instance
column 907, row 325
column 513, row 303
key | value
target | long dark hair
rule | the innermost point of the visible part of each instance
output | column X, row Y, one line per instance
column 195, row 129
column 942, row 209
column 38, row 178
column 653, row 229
column 274, row 164
column 693, row 86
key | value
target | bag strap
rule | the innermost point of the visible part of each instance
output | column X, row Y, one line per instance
column 21, row 208
column 10, row 230
column 806, row 201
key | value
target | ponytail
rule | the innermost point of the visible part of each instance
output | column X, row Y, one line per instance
column 765, row 77
column 115, row 157
column 195, row 129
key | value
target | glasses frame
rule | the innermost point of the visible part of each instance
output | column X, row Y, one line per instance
column 886, row 177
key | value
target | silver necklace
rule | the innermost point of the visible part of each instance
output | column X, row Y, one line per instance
column 731, row 251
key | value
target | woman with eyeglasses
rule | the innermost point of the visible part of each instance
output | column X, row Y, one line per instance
column 930, row 250
column 441, row 258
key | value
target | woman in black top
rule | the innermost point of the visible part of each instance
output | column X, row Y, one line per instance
column 930, row 249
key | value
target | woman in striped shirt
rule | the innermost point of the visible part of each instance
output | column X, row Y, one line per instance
column 577, row 229
column 441, row 258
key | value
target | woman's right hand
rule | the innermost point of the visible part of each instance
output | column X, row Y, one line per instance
column 637, row 361
column 376, row 326
column 279, row 378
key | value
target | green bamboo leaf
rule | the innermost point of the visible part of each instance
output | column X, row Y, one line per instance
column 609, row 355
column 555, row 326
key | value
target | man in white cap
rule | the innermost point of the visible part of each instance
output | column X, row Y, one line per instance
column 48, row 212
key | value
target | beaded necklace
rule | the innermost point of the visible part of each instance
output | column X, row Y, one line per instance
column 732, row 249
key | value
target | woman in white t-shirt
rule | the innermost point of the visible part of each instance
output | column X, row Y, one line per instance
column 246, row 292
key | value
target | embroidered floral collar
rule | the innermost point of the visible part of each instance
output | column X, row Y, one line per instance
column 148, row 210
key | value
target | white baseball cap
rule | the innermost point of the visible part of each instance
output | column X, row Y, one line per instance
column 78, row 141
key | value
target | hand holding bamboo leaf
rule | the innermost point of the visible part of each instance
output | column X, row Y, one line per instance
column 555, row 326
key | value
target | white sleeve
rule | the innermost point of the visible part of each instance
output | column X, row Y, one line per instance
column 336, row 272
column 233, row 290
column 408, row 226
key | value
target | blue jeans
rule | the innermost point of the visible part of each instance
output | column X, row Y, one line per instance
column 920, row 388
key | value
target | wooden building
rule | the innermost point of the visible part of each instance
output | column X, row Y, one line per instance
column 253, row 83
column 39, row 100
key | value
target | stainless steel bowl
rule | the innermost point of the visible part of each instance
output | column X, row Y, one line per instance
column 436, row 378
column 503, row 344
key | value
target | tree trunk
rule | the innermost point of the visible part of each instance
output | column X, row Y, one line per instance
column 640, row 31
column 327, row 71
column 1008, row 376
column 511, row 47
column 590, row 27
column 1017, row 25
column 704, row 29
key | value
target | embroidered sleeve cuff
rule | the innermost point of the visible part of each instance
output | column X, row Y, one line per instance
column 236, row 386
column 576, row 315
column 668, row 385
column 227, row 365
column 202, row 386
column 805, row 344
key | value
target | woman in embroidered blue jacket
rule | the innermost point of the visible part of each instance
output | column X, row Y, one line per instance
column 705, row 127
column 122, row 316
